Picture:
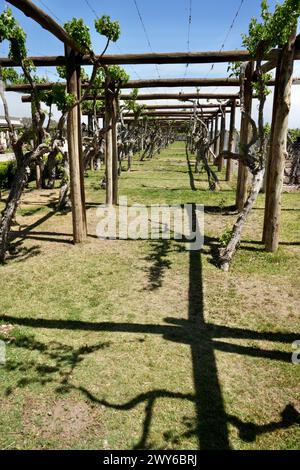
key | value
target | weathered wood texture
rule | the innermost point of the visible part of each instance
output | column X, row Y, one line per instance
column 278, row 146
column 109, row 122
column 245, row 135
column 182, row 97
column 231, row 143
column 119, row 59
column 217, row 141
column 78, row 208
column 222, row 142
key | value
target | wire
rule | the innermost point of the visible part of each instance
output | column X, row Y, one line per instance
column 91, row 8
column 131, row 66
column 146, row 34
column 96, row 16
column 189, row 34
column 50, row 11
column 228, row 33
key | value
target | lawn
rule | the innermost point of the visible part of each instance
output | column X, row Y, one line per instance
column 141, row 344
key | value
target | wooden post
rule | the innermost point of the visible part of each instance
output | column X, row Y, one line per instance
column 217, row 142
column 90, row 124
column 231, row 143
column 78, row 76
column 278, row 145
column 222, row 141
column 37, row 141
column 211, row 136
column 212, row 128
column 115, row 153
column 74, row 157
column 243, row 173
column 109, row 142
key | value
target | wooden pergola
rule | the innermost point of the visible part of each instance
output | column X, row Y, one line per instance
column 281, row 59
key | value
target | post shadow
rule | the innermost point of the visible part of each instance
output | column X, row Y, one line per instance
column 211, row 421
column 190, row 171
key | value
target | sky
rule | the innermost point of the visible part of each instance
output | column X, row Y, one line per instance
column 169, row 28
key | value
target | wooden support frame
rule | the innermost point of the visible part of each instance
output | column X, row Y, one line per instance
column 163, row 82
column 231, row 143
column 278, row 146
column 181, row 97
column 217, row 141
column 222, row 142
column 243, row 172
column 201, row 57
column 73, row 123
column 110, row 140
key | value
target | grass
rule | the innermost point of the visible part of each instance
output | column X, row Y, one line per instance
column 122, row 344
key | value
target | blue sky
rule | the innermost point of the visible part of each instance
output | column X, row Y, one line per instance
column 166, row 22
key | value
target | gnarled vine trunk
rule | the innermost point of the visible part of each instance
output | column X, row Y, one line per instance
column 12, row 202
column 229, row 251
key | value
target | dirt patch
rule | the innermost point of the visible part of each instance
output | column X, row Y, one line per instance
column 64, row 420
column 5, row 331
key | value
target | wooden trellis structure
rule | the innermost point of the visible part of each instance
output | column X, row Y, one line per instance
column 281, row 59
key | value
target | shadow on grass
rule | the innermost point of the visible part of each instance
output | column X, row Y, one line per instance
column 210, row 425
column 220, row 210
column 158, row 258
column 18, row 251
column 211, row 421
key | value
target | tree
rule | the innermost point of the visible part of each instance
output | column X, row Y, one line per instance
column 11, row 31
column 275, row 30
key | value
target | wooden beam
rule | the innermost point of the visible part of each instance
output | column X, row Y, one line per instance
column 131, row 84
column 168, row 82
column 179, row 106
column 163, row 114
column 182, row 82
column 164, row 96
column 123, row 59
column 211, row 112
column 44, row 20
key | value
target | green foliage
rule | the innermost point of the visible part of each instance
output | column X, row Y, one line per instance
column 80, row 33
column 225, row 237
column 235, row 69
column 10, row 75
column 7, row 174
column 132, row 105
column 267, row 129
column 88, row 106
column 58, row 96
column 261, row 86
column 110, row 29
column 98, row 83
column 11, row 31
column 294, row 134
column 62, row 73
column 117, row 74
column 275, row 29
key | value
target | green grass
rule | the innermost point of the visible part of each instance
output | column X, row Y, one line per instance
column 122, row 344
